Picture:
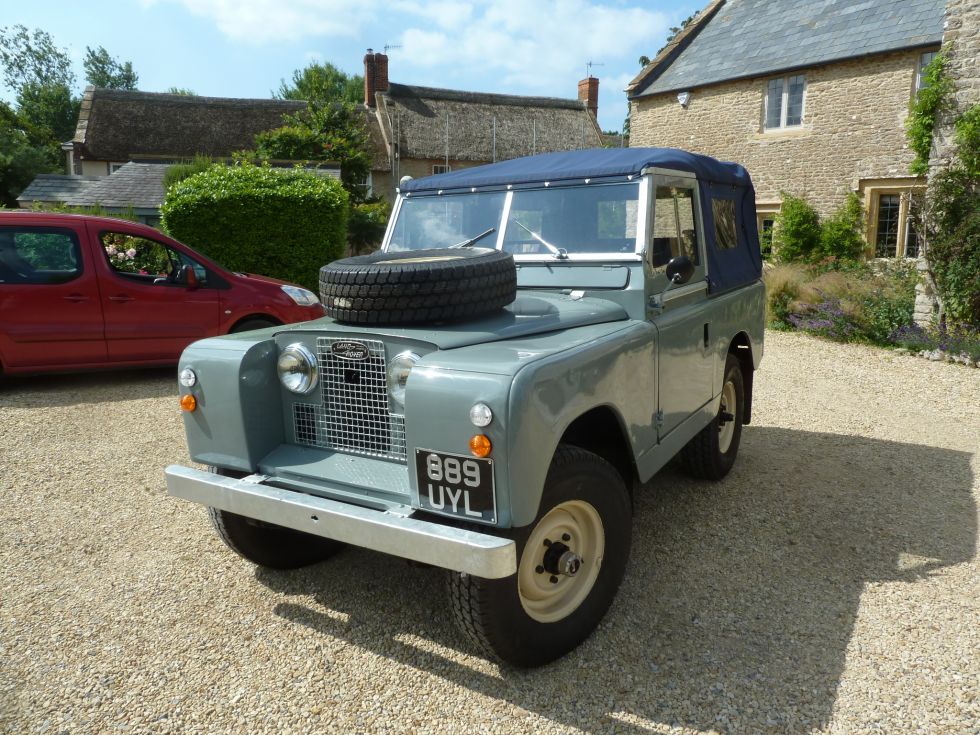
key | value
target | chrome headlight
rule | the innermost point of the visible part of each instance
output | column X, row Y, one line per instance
column 398, row 370
column 297, row 368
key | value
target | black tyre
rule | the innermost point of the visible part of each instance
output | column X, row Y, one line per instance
column 711, row 454
column 254, row 323
column 441, row 284
column 268, row 545
column 570, row 563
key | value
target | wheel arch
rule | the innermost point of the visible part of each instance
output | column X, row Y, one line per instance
column 601, row 431
column 259, row 316
column 741, row 348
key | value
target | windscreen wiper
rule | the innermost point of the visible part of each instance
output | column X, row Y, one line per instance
column 467, row 243
column 559, row 253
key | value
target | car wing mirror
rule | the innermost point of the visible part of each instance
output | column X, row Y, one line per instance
column 187, row 277
column 680, row 270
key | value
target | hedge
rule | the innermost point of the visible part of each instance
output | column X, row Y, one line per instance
column 275, row 222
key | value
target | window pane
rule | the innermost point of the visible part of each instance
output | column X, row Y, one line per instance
column 794, row 107
column 674, row 230
column 886, row 240
column 138, row 256
column 437, row 222
column 38, row 257
column 924, row 61
column 726, row 233
column 578, row 219
column 774, row 103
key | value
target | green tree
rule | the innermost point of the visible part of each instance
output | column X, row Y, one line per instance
column 322, row 84
column 31, row 58
column 101, row 70
column 182, row 91
column 48, row 113
column 20, row 160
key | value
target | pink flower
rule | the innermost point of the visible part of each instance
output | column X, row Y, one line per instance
column 131, row 253
column 111, row 250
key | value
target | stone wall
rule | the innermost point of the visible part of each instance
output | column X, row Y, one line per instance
column 961, row 39
column 853, row 128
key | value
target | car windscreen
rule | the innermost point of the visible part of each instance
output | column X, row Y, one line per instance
column 540, row 222
column 441, row 221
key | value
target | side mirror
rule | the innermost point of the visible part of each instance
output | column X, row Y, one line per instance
column 187, row 277
column 680, row 269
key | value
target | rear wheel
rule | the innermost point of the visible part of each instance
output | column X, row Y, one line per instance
column 570, row 563
column 269, row 545
column 711, row 454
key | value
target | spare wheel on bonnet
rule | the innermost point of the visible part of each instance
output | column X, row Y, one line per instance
column 413, row 286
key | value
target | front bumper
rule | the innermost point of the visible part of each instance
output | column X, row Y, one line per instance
column 390, row 532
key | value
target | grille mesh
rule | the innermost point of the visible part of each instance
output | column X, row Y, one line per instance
column 354, row 415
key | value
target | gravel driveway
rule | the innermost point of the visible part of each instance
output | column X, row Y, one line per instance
column 829, row 584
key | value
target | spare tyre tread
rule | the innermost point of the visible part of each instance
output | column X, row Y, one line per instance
column 360, row 290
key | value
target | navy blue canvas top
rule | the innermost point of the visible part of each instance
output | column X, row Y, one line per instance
column 728, row 268
column 583, row 164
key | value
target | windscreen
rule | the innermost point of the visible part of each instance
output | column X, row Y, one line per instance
column 546, row 222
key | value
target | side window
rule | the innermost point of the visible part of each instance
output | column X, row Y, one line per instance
column 726, row 232
column 36, row 255
column 674, row 226
column 143, row 259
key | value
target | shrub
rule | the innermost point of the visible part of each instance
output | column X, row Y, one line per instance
column 796, row 233
column 929, row 101
column 840, row 234
column 366, row 226
column 280, row 223
column 184, row 170
column 782, row 289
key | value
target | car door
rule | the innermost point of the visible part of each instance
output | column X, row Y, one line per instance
column 50, row 307
column 685, row 375
column 149, row 315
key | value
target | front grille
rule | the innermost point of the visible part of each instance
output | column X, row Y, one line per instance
column 353, row 415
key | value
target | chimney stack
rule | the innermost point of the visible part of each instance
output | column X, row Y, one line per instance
column 588, row 92
column 375, row 75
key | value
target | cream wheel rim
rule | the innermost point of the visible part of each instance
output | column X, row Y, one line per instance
column 727, row 430
column 561, row 561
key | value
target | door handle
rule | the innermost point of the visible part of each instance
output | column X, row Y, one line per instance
column 121, row 298
column 76, row 298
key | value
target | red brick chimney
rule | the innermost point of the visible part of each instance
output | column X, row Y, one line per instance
column 380, row 72
column 588, row 92
column 369, row 78
column 375, row 75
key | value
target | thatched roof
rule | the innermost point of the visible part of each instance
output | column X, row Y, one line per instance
column 419, row 118
column 120, row 125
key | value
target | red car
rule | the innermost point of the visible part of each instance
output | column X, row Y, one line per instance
column 80, row 292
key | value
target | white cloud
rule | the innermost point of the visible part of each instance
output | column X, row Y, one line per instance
column 534, row 46
column 263, row 21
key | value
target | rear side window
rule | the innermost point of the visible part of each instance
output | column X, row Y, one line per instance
column 39, row 255
column 726, row 232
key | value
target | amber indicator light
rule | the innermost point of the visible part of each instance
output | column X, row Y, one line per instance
column 480, row 446
column 188, row 402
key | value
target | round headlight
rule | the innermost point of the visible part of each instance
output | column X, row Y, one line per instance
column 398, row 370
column 188, row 378
column 481, row 415
column 297, row 368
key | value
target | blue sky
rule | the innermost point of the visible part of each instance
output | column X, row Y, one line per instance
column 243, row 48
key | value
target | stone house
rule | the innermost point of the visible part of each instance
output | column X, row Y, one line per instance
column 420, row 131
column 810, row 97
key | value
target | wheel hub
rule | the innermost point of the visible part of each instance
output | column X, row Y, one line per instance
column 560, row 559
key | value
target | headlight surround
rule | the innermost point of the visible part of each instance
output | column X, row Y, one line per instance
column 300, row 296
column 398, row 371
column 297, row 368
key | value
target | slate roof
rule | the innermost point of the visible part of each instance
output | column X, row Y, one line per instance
column 119, row 125
column 54, row 188
column 415, row 117
column 746, row 38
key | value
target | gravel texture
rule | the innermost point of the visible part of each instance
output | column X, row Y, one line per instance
column 829, row 584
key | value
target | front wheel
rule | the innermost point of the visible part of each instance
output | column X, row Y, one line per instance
column 711, row 453
column 268, row 545
column 571, row 562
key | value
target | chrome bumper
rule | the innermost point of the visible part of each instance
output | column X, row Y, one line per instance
column 430, row 543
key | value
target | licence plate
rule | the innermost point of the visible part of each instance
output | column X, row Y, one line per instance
column 457, row 485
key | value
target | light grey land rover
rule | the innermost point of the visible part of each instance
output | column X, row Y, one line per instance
column 534, row 340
